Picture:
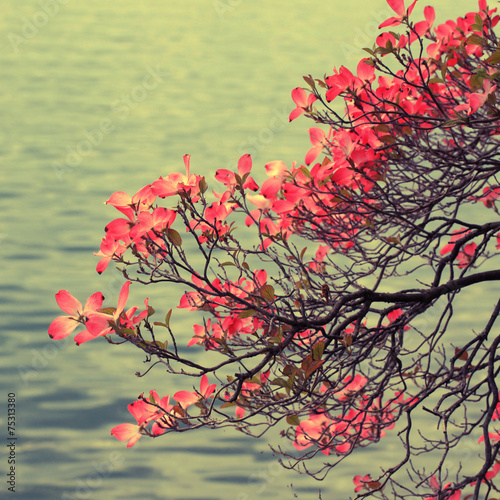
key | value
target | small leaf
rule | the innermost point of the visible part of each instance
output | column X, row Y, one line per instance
column 128, row 331
column 347, row 340
column 374, row 485
column 396, row 240
column 267, row 293
column 202, row 185
column 280, row 395
column 107, row 310
column 312, row 367
column 310, row 81
column 228, row 405
column 494, row 58
column 436, row 79
column 452, row 123
column 167, row 318
column 305, row 171
column 476, row 81
column 174, row 237
column 318, row 350
column 247, row 314
column 293, row 420
column 388, row 139
column 281, row 382
column 159, row 323
column 476, row 40
column 276, row 339
column 464, row 356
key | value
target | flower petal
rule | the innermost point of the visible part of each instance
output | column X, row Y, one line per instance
column 61, row 327
column 68, row 303
column 93, row 303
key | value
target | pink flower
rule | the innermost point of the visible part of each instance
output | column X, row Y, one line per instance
column 352, row 387
column 475, row 100
column 466, row 254
column 144, row 413
column 490, row 195
column 394, row 315
column 177, row 183
column 319, row 140
column 436, row 487
column 62, row 326
column 110, row 249
column 303, row 102
column 128, row 206
column 187, row 398
column 361, row 482
column 398, row 7
column 99, row 324
column 228, row 178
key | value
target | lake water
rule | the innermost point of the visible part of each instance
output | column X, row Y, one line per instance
column 106, row 96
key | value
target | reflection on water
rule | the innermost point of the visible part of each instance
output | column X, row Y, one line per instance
column 98, row 97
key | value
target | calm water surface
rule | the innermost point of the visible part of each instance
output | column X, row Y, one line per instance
column 105, row 96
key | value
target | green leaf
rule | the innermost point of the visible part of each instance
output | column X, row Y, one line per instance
column 305, row 171
column 310, row 81
column 174, row 237
column 452, row 123
column 247, row 314
column 267, row 293
column 494, row 58
column 312, row 367
column 476, row 81
column 476, row 40
column 436, row 79
column 107, row 310
column 394, row 239
column 224, row 264
column 276, row 339
column 281, row 382
column 388, row 139
column 318, row 350
column 382, row 128
column 167, row 318
column 128, row 331
column 202, row 185
column 280, row 395
column 228, row 405
column 293, row 420
column 159, row 323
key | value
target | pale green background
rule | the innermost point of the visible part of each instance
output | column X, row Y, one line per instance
column 228, row 68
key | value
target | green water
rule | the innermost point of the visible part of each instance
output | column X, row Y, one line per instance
column 105, row 96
